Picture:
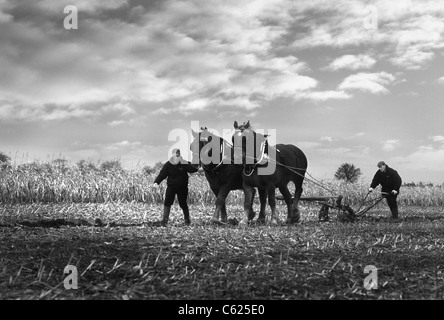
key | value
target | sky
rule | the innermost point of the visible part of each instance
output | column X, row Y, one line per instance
column 346, row 81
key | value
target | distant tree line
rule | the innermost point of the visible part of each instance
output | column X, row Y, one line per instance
column 350, row 173
column 83, row 165
column 347, row 172
column 419, row 184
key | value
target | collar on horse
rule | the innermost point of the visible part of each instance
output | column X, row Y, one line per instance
column 208, row 167
column 249, row 169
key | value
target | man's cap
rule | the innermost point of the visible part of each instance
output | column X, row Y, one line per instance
column 381, row 163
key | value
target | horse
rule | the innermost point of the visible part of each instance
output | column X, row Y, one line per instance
column 290, row 164
column 215, row 156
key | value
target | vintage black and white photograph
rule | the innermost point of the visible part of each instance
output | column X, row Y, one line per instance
column 221, row 154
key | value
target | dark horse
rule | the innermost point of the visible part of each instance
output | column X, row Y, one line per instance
column 215, row 156
column 288, row 163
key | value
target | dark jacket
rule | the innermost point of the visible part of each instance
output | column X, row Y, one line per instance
column 389, row 180
column 177, row 174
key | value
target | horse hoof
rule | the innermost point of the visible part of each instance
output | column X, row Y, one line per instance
column 274, row 222
column 243, row 222
column 260, row 221
column 292, row 221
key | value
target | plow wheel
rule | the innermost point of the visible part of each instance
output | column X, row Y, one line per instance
column 346, row 214
column 323, row 213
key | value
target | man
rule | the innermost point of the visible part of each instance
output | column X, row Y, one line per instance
column 176, row 170
column 390, row 182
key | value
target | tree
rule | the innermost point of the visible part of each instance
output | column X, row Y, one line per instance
column 154, row 169
column 112, row 165
column 85, row 166
column 348, row 172
column 4, row 159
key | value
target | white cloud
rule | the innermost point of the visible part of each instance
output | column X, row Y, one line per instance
column 441, row 80
column 352, row 62
column 438, row 138
column 168, row 56
column 308, row 144
column 90, row 6
column 189, row 55
column 412, row 58
column 370, row 82
column 340, row 151
column 120, row 108
column 391, row 145
column 326, row 95
column 326, row 138
column 424, row 158
column 409, row 30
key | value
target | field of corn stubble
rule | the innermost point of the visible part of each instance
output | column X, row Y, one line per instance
column 102, row 222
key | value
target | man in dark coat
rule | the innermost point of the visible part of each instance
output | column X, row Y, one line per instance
column 176, row 171
column 390, row 182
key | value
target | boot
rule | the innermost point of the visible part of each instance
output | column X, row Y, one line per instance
column 186, row 215
column 395, row 213
column 166, row 215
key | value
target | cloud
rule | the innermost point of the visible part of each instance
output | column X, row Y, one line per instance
column 189, row 56
column 166, row 57
column 90, row 6
column 424, row 158
column 413, row 59
column 308, row 144
column 16, row 110
column 441, row 80
column 125, row 144
column 326, row 138
column 368, row 82
column 391, row 145
column 438, row 138
column 325, row 95
column 409, row 30
column 352, row 62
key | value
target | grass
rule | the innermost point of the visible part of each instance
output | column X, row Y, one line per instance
column 130, row 258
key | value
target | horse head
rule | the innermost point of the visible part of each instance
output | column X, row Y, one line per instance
column 249, row 146
column 202, row 147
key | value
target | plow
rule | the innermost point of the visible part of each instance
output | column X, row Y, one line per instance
column 343, row 211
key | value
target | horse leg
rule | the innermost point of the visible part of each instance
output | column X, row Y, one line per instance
column 220, row 203
column 287, row 197
column 217, row 210
column 295, row 215
column 272, row 203
column 251, row 214
column 263, row 200
column 248, row 192
column 224, row 213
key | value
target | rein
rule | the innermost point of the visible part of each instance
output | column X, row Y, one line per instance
column 207, row 167
column 255, row 164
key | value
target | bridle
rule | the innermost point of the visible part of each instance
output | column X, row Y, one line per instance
column 208, row 167
column 249, row 168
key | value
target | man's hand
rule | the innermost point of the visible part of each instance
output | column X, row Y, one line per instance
column 370, row 190
column 395, row 192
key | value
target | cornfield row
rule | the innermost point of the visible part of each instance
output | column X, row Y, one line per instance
column 69, row 184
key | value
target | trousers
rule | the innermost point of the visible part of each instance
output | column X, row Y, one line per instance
column 182, row 195
column 393, row 204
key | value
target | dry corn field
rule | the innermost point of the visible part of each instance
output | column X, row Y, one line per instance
column 47, row 183
column 104, row 224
